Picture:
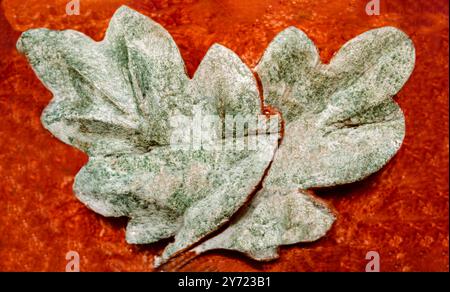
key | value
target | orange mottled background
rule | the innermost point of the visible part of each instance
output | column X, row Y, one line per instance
column 401, row 212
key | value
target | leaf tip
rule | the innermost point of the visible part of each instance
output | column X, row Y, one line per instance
column 27, row 39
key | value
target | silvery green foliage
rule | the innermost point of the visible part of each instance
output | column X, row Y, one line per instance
column 341, row 126
column 341, row 121
column 114, row 99
column 274, row 218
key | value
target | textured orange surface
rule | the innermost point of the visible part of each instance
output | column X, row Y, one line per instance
column 401, row 212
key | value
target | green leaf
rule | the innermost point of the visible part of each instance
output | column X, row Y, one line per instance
column 341, row 122
column 274, row 218
column 116, row 100
column 341, row 126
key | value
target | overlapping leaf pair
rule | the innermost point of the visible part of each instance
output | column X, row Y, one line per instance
column 114, row 100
